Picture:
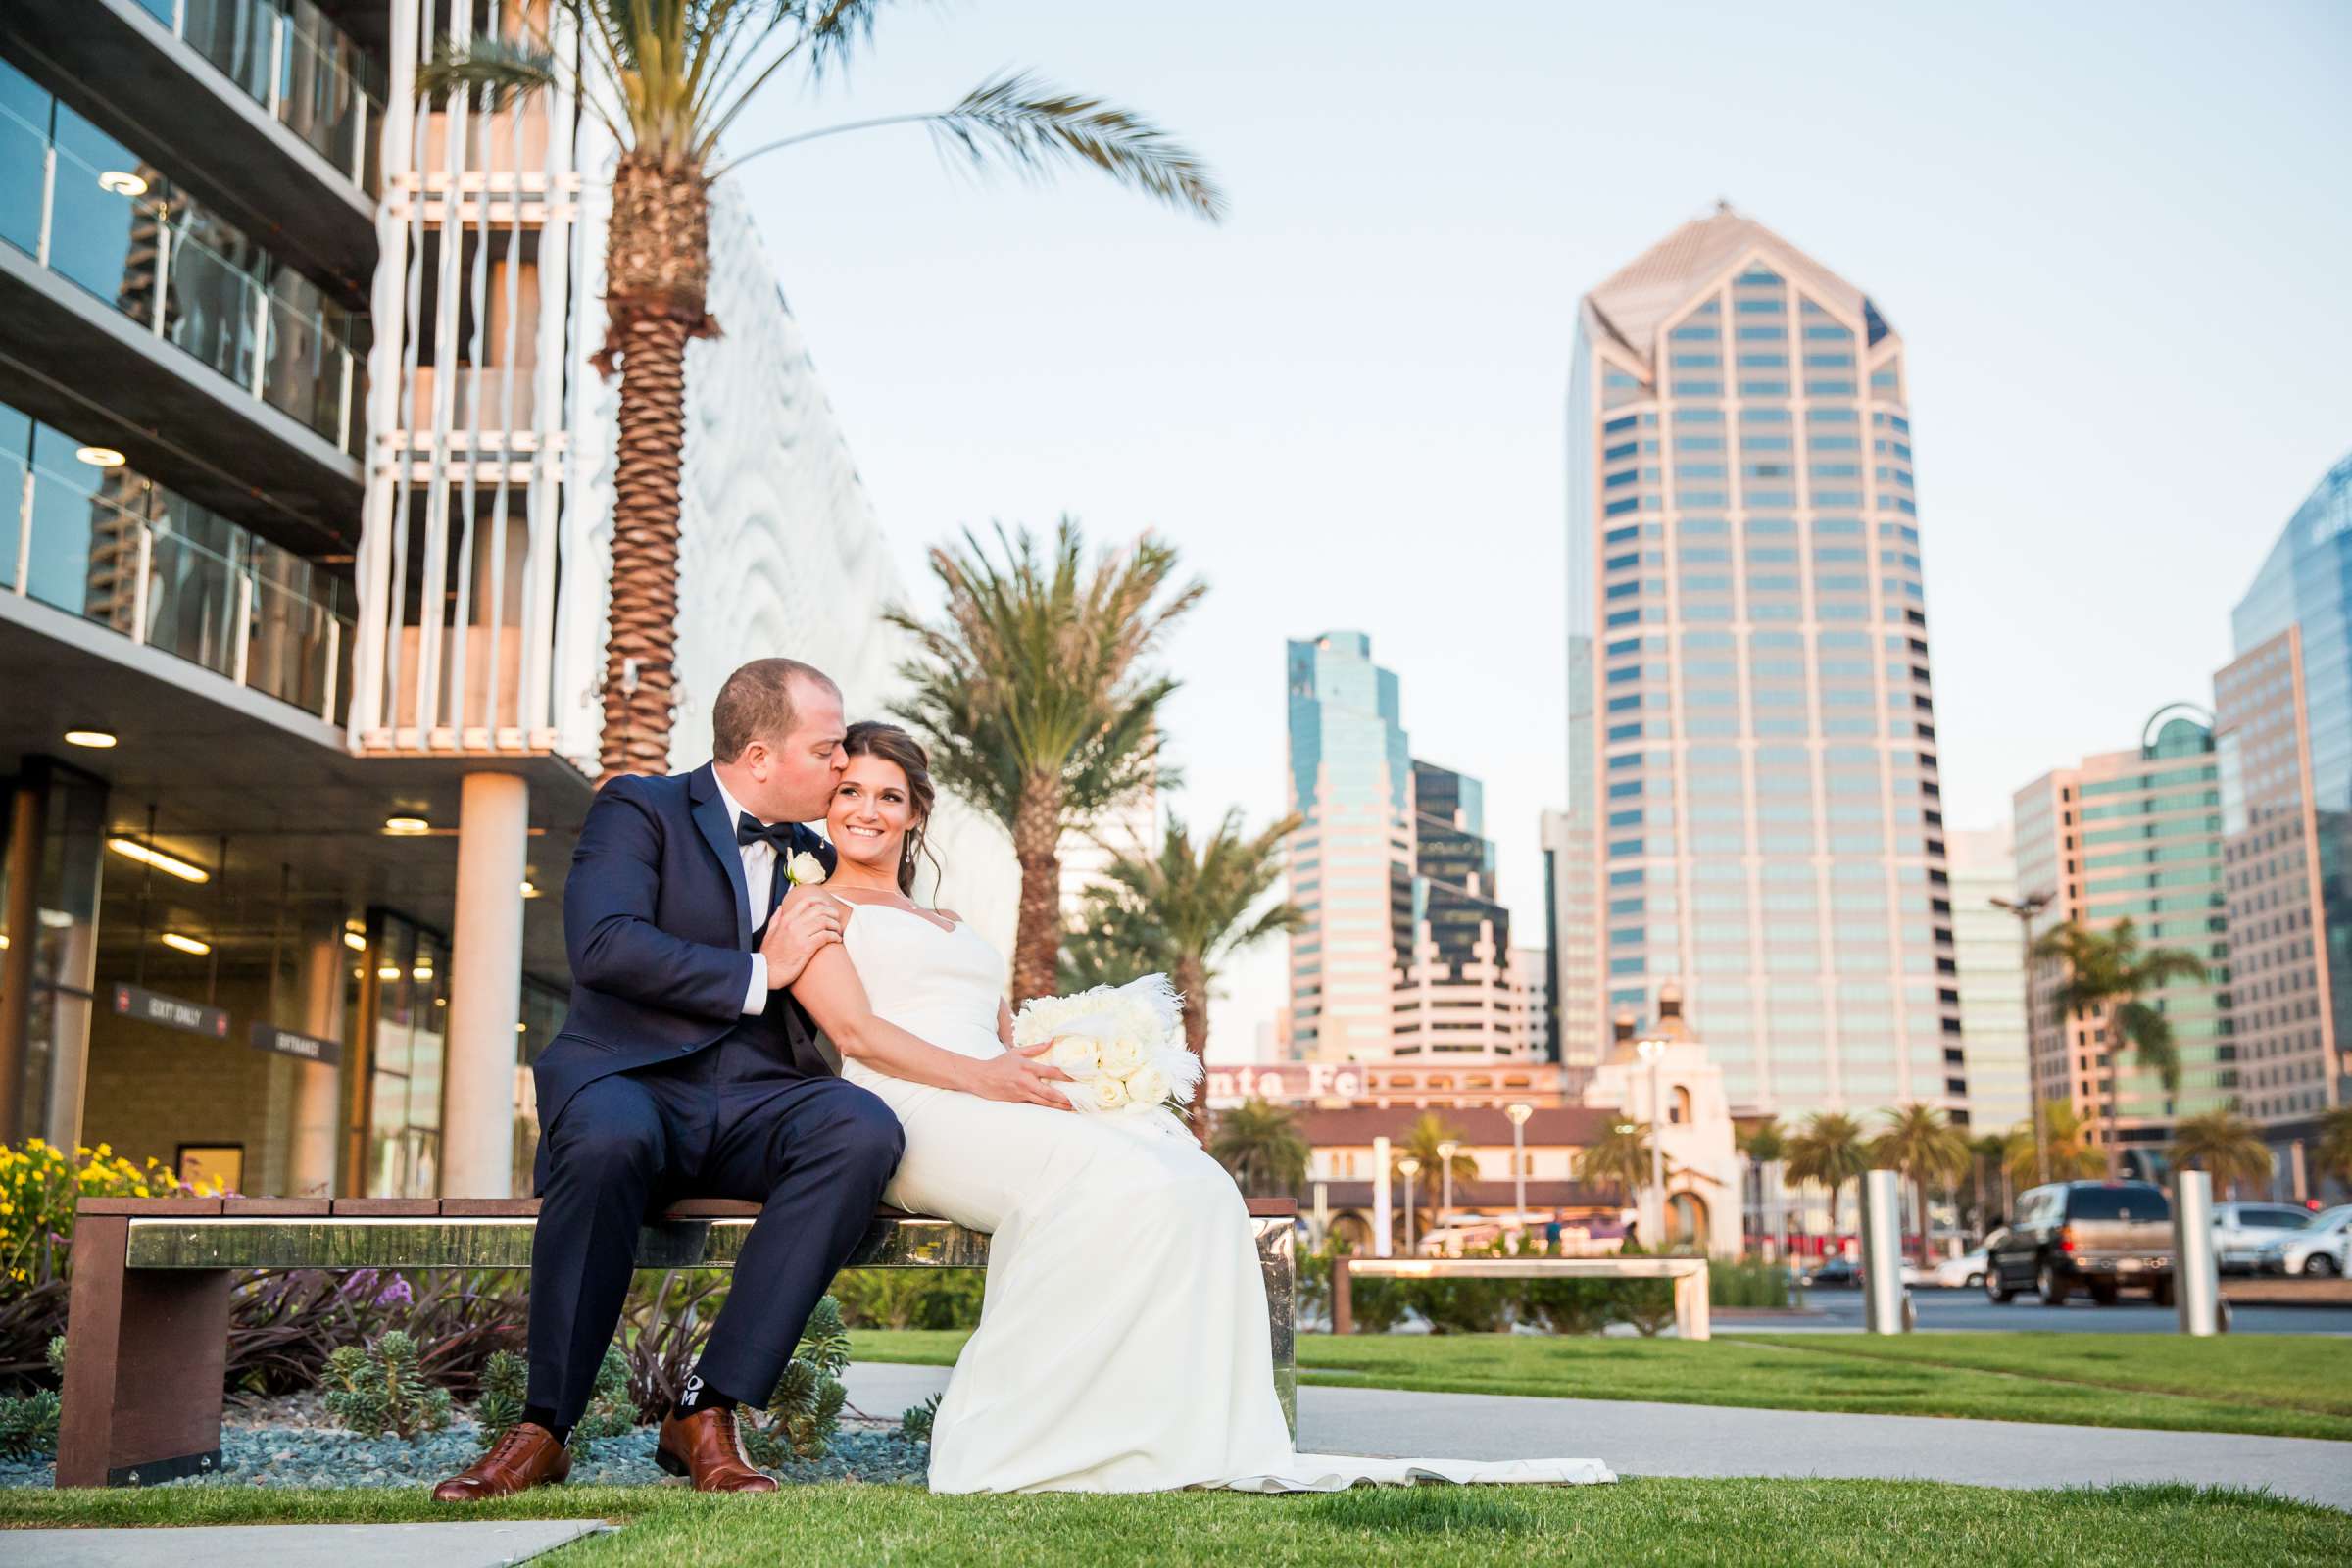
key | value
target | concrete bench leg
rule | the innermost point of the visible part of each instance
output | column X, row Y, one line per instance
column 1691, row 1305
column 146, row 1352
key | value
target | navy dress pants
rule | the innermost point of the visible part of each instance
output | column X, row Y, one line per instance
column 728, row 1122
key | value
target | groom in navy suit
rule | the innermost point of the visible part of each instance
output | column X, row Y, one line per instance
column 686, row 1069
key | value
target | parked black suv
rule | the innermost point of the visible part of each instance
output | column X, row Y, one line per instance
column 2101, row 1237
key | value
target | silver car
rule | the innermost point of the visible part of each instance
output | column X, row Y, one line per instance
column 2321, row 1250
column 2241, row 1231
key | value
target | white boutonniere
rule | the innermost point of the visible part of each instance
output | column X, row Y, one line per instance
column 804, row 870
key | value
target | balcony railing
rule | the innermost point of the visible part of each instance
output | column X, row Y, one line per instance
column 126, row 553
column 286, row 56
column 151, row 253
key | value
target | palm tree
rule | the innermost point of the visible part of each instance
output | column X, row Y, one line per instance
column 1261, row 1145
column 1620, row 1159
column 669, row 78
column 1032, row 693
column 1184, row 912
column 1926, row 1148
column 2225, row 1146
column 2071, row 1158
column 1765, row 1143
column 1428, row 1132
column 1829, row 1148
column 1985, row 1154
column 2332, row 1155
column 2107, row 972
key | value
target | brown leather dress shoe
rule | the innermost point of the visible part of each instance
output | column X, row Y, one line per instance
column 707, row 1445
column 528, row 1455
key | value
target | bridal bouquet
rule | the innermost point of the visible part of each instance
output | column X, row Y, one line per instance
column 1122, row 1045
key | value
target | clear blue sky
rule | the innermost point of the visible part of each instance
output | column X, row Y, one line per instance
column 2116, row 237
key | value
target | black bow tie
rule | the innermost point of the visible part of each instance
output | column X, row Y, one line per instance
column 750, row 830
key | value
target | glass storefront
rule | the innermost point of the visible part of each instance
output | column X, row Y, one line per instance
column 50, row 848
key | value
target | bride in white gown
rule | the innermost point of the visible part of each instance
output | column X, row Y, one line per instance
column 1124, row 1343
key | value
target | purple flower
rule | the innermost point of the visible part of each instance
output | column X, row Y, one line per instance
column 396, row 1294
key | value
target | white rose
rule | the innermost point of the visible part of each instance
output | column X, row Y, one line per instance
column 1122, row 1055
column 804, row 870
column 1148, row 1087
column 1073, row 1053
column 1109, row 1094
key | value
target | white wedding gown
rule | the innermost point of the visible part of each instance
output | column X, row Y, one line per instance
column 1124, row 1343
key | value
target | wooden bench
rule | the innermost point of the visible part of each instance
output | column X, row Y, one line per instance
column 147, row 1325
column 1689, row 1276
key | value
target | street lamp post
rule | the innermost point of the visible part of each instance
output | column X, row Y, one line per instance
column 1408, row 1168
column 1445, row 1149
column 1652, row 1052
column 2026, row 909
column 1519, row 1115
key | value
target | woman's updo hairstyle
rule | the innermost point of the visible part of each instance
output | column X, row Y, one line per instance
column 891, row 744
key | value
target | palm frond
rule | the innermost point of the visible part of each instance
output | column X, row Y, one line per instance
column 499, row 69
column 1034, row 128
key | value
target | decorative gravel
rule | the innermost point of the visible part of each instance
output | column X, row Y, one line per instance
column 289, row 1443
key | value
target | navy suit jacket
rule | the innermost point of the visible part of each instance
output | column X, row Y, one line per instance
column 658, row 928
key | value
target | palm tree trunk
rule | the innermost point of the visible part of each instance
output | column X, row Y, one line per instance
column 1037, row 846
column 657, row 268
column 2115, row 1099
column 1193, row 987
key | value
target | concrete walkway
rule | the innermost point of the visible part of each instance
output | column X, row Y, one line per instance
column 1639, row 1439
column 482, row 1545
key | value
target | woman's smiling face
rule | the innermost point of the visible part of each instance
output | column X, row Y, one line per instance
column 870, row 814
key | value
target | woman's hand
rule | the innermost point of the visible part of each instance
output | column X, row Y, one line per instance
column 1013, row 1077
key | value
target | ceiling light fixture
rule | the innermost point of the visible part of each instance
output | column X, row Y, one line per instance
column 354, row 940
column 148, row 854
column 122, row 182
column 172, row 939
column 100, row 457
column 97, row 740
column 390, row 971
column 407, row 826
column 530, row 889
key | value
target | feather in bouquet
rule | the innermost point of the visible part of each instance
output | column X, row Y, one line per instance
column 1122, row 1045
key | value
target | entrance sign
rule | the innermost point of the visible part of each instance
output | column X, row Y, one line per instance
column 289, row 1043
column 153, row 1007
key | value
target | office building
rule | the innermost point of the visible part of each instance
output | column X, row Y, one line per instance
column 2135, row 835
column 302, row 583
column 1756, row 800
column 1991, row 949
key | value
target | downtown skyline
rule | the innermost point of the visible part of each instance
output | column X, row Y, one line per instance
column 1319, row 368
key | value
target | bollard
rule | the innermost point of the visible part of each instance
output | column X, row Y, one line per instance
column 1882, row 1253
column 2196, row 1273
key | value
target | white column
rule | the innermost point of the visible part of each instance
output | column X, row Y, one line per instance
column 1380, row 1198
column 311, row 1162
column 485, row 989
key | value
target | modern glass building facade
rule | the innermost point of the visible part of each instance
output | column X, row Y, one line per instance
column 2133, row 835
column 1752, row 748
column 1992, row 977
column 1456, row 994
column 2282, row 712
column 1350, row 862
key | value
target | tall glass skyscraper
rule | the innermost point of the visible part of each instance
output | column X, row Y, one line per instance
column 1751, row 734
column 1351, row 863
column 2135, row 835
column 1454, row 992
column 2284, row 723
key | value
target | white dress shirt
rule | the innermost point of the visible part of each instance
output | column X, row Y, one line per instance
column 759, row 876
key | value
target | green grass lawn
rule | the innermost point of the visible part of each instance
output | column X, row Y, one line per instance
column 2300, row 1388
column 1636, row 1522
